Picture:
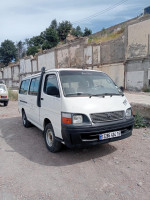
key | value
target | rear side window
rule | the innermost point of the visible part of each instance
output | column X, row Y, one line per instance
column 34, row 86
column 24, row 87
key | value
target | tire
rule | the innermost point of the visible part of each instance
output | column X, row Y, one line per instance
column 5, row 103
column 51, row 143
column 25, row 122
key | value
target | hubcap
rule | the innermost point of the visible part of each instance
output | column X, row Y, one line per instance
column 49, row 137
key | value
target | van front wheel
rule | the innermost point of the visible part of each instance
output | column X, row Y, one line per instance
column 25, row 122
column 51, row 143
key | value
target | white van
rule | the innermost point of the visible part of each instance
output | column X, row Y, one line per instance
column 75, row 107
column 3, row 94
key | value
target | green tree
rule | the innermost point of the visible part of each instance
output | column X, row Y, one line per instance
column 77, row 31
column 50, row 37
column 20, row 50
column 36, row 41
column 63, row 29
column 32, row 50
column 87, row 32
column 54, row 24
column 8, row 52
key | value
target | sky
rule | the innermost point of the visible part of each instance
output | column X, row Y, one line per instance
column 24, row 19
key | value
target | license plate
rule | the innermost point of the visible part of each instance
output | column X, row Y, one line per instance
column 109, row 135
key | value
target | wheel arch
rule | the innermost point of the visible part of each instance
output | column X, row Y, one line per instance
column 46, row 121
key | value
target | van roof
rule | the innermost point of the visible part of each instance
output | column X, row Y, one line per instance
column 58, row 70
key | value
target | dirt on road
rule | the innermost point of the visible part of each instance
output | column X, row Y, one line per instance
column 114, row 171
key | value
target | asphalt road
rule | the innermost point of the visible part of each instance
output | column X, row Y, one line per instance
column 115, row 171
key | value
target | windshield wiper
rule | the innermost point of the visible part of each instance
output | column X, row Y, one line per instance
column 106, row 94
column 77, row 94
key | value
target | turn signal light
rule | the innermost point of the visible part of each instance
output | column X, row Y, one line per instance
column 66, row 120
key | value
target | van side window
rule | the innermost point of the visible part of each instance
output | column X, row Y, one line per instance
column 34, row 86
column 51, row 85
column 24, row 87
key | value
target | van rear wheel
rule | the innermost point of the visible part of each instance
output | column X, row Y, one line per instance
column 51, row 143
column 5, row 103
column 25, row 122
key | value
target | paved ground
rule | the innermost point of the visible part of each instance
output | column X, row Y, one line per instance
column 140, row 102
column 118, row 171
column 138, row 97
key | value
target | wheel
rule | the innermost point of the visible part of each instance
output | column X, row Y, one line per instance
column 5, row 103
column 25, row 122
column 51, row 143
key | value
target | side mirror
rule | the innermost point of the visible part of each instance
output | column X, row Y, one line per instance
column 53, row 91
column 121, row 88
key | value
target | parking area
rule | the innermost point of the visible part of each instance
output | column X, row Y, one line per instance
column 118, row 170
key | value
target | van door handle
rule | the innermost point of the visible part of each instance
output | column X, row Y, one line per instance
column 42, row 98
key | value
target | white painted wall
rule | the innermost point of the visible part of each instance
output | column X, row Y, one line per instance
column 0, row 75
column 8, row 72
column 115, row 71
column 88, row 54
column 16, row 73
column 22, row 66
column 28, row 65
column 135, row 80
column 96, row 54
column 5, row 72
column 63, row 58
column 138, row 39
column 46, row 60
column 34, row 65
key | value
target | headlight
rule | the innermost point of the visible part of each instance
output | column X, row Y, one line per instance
column 73, row 118
column 77, row 119
column 128, row 112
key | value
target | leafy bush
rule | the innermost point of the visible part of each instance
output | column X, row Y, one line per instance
column 146, row 89
column 139, row 121
column 13, row 95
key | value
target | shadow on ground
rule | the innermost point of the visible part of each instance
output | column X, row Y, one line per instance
column 30, row 144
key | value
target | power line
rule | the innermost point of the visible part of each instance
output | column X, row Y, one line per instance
column 101, row 12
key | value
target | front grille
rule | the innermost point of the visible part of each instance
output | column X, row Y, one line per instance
column 107, row 116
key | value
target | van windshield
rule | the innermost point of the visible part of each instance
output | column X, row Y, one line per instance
column 87, row 83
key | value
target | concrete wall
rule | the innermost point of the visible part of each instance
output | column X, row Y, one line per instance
column 125, row 59
column 137, row 56
column 113, row 51
column 138, row 39
column 136, row 73
column 115, row 71
column 11, row 76
column 77, row 54
column 46, row 60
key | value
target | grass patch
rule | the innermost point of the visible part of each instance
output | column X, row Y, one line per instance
column 139, row 121
column 146, row 89
column 13, row 95
column 106, row 37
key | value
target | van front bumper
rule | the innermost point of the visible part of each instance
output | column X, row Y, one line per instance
column 86, row 135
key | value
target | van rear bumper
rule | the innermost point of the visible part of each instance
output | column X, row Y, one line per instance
column 87, row 135
column 3, row 100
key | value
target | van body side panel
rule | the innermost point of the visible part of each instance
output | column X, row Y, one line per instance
column 51, row 109
column 34, row 111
